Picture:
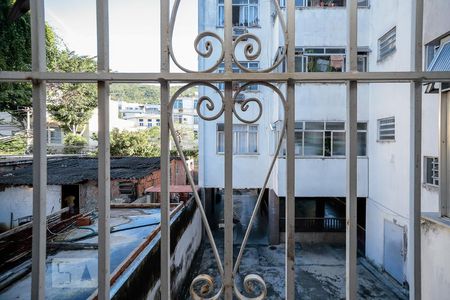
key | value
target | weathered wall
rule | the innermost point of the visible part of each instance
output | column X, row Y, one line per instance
column 142, row 281
column 88, row 196
column 435, row 262
column 19, row 201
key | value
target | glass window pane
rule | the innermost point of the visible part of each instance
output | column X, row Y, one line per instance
column 362, row 144
column 362, row 126
column 298, row 143
column 335, row 125
column 314, row 125
column 220, row 142
column 339, row 143
column 327, row 148
column 313, row 143
column 253, row 142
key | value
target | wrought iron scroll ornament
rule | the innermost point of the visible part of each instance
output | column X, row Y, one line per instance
column 251, row 51
column 205, row 281
column 203, row 286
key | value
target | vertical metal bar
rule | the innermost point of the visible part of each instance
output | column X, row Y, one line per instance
column 103, row 152
column 443, row 153
column 414, row 254
column 351, row 286
column 228, row 115
column 39, row 152
column 290, row 158
column 165, row 140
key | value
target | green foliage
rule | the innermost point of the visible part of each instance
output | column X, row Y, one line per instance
column 143, row 93
column 74, row 143
column 135, row 143
column 15, row 55
column 17, row 145
column 72, row 104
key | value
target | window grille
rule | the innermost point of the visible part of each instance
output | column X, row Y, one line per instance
column 387, row 44
column 386, row 129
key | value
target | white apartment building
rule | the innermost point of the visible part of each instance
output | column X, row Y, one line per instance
column 384, row 121
column 149, row 115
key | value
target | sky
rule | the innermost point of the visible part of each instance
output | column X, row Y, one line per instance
column 134, row 31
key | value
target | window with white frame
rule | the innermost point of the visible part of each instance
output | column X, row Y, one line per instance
column 323, row 3
column 386, row 129
column 321, row 59
column 431, row 171
column 252, row 65
column 324, row 139
column 244, row 13
column 149, row 123
column 141, row 122
column 387, row 44
column 245, row 138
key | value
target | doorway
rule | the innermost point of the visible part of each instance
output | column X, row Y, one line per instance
column 68, row 191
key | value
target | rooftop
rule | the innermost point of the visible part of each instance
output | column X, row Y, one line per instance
column 74, row 170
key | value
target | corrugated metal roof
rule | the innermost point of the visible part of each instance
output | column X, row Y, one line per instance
column 80, row 169
column 441, row 63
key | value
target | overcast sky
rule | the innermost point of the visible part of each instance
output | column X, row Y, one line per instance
column 134, row 31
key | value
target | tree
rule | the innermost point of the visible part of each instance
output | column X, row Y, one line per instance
column 143, row 93
column 16, row 145
column 72, row 104
column 134, row 143
column 74, row 143
column 15, row 55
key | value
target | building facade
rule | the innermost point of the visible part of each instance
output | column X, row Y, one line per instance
column 384, row 122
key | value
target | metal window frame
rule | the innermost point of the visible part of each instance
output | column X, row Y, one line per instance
column 103, row 77
column 434, row 170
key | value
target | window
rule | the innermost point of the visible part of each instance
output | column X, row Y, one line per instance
column 320, row 60
column 386, row 44
column 245, row 139
column 245, row 13
column 178, row 104
column 158, row 122
column 55, row 136
column 326, row 139
column 386, row 129
column 149, row 123
column 363, row 58
column 431, row 170
column 252, row 65
column 323, row 3
column 141, row 122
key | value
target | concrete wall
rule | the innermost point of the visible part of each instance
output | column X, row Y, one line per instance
column 19, row 201
column 141, row 280
column 435, row 263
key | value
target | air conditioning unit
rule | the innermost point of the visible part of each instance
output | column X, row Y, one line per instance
column 238, row 31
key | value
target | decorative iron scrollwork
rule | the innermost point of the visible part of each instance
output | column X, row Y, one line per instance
column 208, row 36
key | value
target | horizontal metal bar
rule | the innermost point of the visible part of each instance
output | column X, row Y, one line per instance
column 318, row 77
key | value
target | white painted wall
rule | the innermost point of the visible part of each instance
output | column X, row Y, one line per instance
column 19, row 201
column 435, row 262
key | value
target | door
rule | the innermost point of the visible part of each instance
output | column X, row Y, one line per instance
column 394, row 250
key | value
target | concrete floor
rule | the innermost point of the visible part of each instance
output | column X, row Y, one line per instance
column 320, row 272
column 320, row 268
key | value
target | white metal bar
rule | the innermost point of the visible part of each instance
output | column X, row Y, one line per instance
column 414, row 259
column 443, row 154
column 165, row 140
column 103, row 153
column 311, row 77
column 228, row 115
column 39, row 238
column 351, row 201
column 351, row 286
column 290, row 158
